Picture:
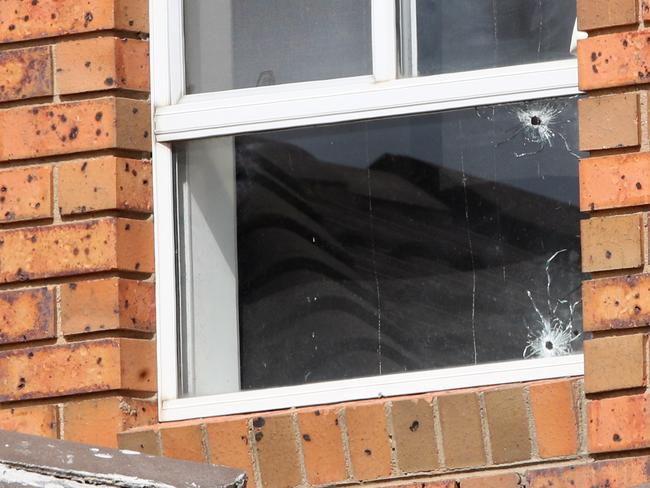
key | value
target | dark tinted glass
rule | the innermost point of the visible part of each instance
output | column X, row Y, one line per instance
column 462, row 35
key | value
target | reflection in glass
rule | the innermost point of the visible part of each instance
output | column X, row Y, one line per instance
column 442, row 36
column 385, row 246
column 246, row 43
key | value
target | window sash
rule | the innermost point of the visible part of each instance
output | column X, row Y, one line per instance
column 177, row 117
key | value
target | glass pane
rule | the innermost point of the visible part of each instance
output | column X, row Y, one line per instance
column 246, row 43
column 392, row 245
column 443, row 36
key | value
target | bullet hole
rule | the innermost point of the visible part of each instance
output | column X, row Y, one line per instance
column 26, row 18
column 637, row 296
column 415, row 425
column 259, row 422
column 127, row 168
column 53, row 16
column 2, row 199
column 137, row 266
column 75, row 251
column 258, row 436
column 616, row 438
column 307, row 437
column 38, row 132
column 21, row 383
column 127, row 227
column 53, row 127
column 12, row 27
column 30, row 178
column 87, row 64
column 84, row 166
column 146, row 134
column 74, row 132
column 87, row 328
column 63, row 138
column 63, row 118
column 367, row 452
column 625, row 43
column 622, row 177
column 99, row 360
column 616, row 303
column 35, row 111
column 126, row 304
column 3, row 189
column 637, row 310
column 594, row 68
column 34, row 2
column 33, row 239
column 638, row 185
column 72, row 286
column 98, row 132
column 30, row 355
column 109, row 81
column 594, row 56
column 608, row 254
column 548, row 345
column 145, row 182
column 317, row 413
column 88, row 18
column 98, row 116
column 135, row 110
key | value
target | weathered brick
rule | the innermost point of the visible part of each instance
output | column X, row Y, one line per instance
column 431, row 484
column 618, row 423
column 97, row 421
column 106, row 183
column 509, row 480
column 609, row 121
column 611, row 243
column 598, row 14
column 322, row 446
column 40, row 420
column 619, row 473
column 108, row 304
column 65, row 128
column 60, row 250
column 102, row 63
column 613, row 60
column 82, row 367
column 368, row 440
column 21, row 20
column 620, row 302
column 556, row 421
column 616, row 181
column 27, row 315
column 277, row 452
column 508, row 425
column 25, row 73
column 25, row 193
column 462, row 435
column 142, row 440
column 415, row 437
column 228, row 446
column 615, row 363
column 184, row 442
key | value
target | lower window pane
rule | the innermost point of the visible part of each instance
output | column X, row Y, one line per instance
column 379, row 247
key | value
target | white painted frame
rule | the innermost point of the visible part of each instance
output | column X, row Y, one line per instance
column 177, row 117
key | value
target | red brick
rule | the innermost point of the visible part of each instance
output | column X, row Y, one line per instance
column 611, row 243
column 183, row 443
column 145, row 440
column 102, row 63
column 556, row 420
column 598, row 14
column 620, row 302
column 509, row 480
column 430, row 484
column 106, row 183
column 368, row 440
column 61, row 250
column 65, row 128
column 25, row 73
column 228, row 446
column 21, row 20
column 97, row 421
column 415, row 437
column 620, row 473
column 615, row 181
column 322, row 446
column 40, row 420
column 26, row 193
column 615, row 363
column 108, row 304
column 277, row 452
column 618, row 423
column 609, row 121
column 462, row 434
column 81, row 367
column 508, row 425
column 27, row 315
column 613, row 60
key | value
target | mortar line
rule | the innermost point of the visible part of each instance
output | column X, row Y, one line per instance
column 297, row 437
column 345, row 439
column 487, row 445
column 252, row 452
column 437, row 429
column 390, row 427
column 532, row 428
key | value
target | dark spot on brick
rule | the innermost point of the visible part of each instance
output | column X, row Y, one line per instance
column 638, row 185
column 75, row 251
column 3, row 189
column 30, row 354
column 608, row 254
column 143, row 374
column 137, row 266
column 616, row 438
column 98, row 116
column 21, row 383
column 87, row 64
column 34, row 2
column 622, row 177
column 72, row 286
column 134, row 172
column 637, row 295
column 131, row 23
column 594, row 56
column 11, row 27
column 317, row 413
column 367, row 452
column 145, row 182
column 146, row 134
column 637, row 310
column 258, row 436
column 127, row 168
column 415, row 425
column 127, row 227
column 135, row 110
column 33, row 239
column 307, row 437
column 98, row 132
column 35, row 111
column 88, row 18
column 259, row 422
column 84, row 166
column 26, row 18
column 109, row 81
column 625, row 43
column 126, row 304
column 616, row 303
column 74, row 132
column 594, row 68
column 38, row 132
column 63, row 138
column 63, row 118
column 99, row 360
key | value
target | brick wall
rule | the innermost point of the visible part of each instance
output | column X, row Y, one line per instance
column 77, row 323
column 77, row 359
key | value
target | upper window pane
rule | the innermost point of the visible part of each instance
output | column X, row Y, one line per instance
column 443, row 36
column 233, row 44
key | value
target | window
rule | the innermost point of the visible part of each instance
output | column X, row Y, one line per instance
column 363, row 198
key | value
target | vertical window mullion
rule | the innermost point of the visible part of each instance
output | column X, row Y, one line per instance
column 384, row 40
column 176, row 50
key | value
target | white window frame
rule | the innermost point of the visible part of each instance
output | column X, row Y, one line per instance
column 177, row 117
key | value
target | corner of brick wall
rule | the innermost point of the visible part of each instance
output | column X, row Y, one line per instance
column 77, row 316
column 614, row 71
